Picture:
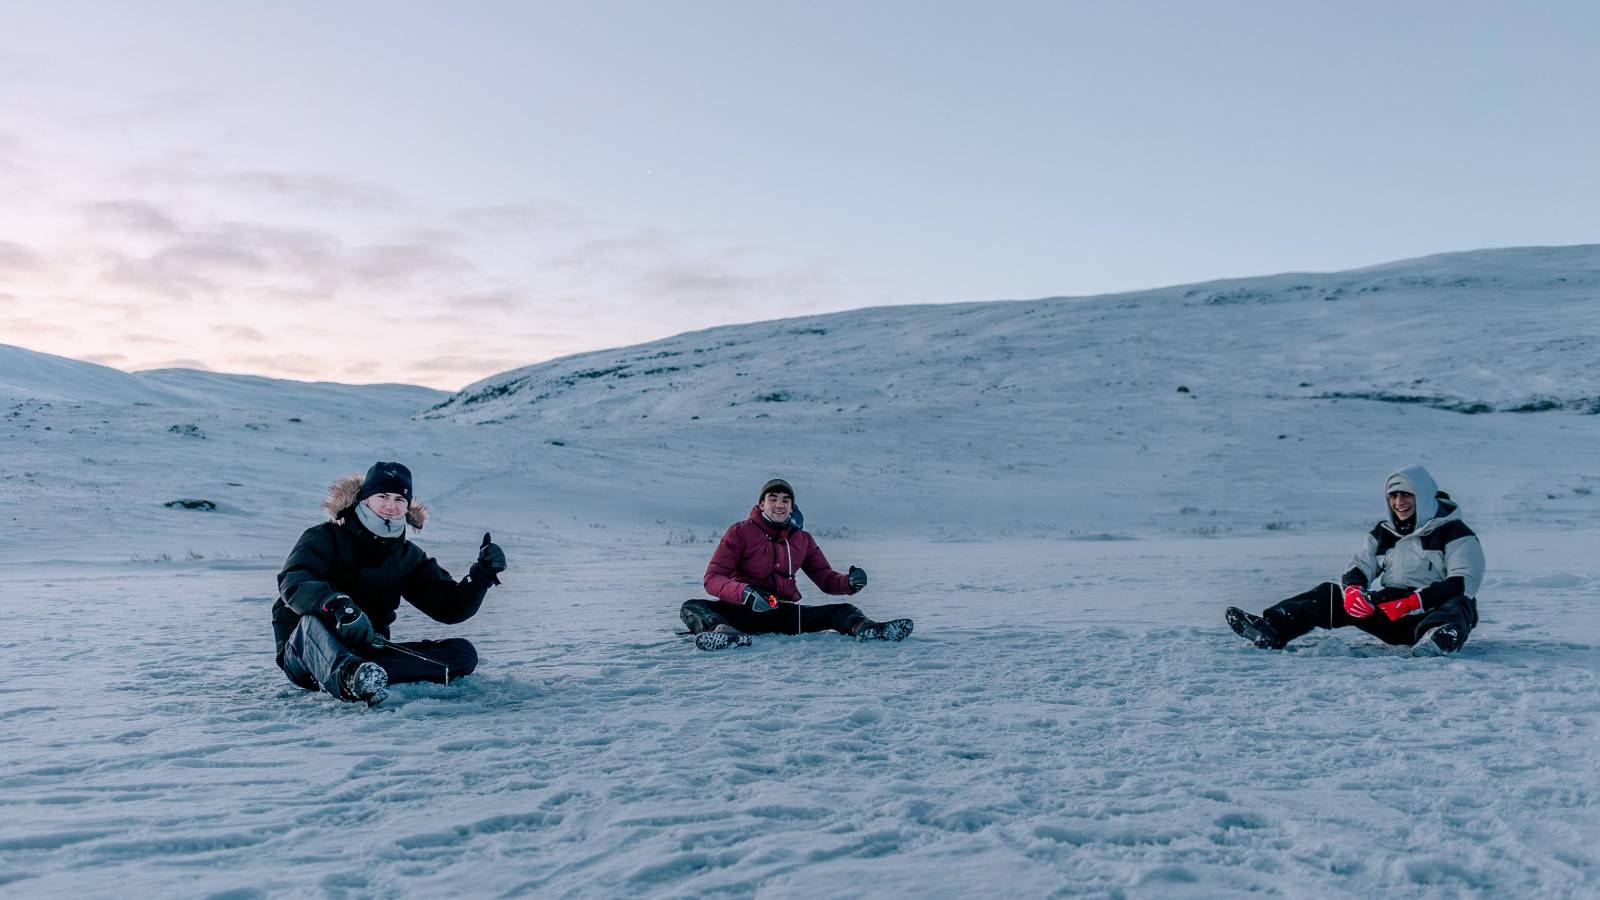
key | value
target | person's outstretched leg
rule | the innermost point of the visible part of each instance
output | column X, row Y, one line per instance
column 313, row 658
column 1323, row 607
column 1286, row 620
column 846, row 618
column 1282, row 622
column 1320, row 607
column 708, row 617
column 443, row 661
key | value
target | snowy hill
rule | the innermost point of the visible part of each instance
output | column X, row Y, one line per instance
column 1113, row 414
column 30, row 375
column 213, row 389
column 1063, row 493
column 1230, row 407
column 1488, row 330
column 83, row 442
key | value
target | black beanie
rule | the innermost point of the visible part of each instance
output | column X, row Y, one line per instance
column 386, row 478
column 776, row 484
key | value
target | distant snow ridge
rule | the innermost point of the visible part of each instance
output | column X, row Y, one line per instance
column 28, row 374
column 1485, row 331
column 42, row 376
column 214, row 389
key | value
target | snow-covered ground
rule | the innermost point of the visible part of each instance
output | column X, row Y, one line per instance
column 1025, row 479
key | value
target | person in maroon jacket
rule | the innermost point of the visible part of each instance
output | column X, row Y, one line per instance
column 752, row 577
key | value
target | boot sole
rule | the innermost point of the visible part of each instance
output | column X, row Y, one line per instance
column 1239, row 621
column 719, row 640
column 370, row 684
column 896, row 630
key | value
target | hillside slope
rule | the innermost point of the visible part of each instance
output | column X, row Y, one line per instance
column 1105, row 415
column 1267, row 404
column 1486, row 330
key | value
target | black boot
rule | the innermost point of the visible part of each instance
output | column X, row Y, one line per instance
column 1441, row 641
column 892, row 630
column 721, row 638
column 1254, row 629
column 364, row 681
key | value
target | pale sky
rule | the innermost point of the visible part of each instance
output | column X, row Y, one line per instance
column 436, row 192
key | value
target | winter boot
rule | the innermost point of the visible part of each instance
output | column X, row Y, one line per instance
column 364, row 681
column 1254, row 629
column 892, row 630
column 1439, row 641
column 721, row 638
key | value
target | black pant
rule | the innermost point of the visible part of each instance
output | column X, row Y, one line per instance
column 313, row 658
column 788, row 618
column 1323, row 607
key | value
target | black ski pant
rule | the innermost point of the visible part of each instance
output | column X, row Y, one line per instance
column 1323, row 607
column 788, row 618
column 313, row 658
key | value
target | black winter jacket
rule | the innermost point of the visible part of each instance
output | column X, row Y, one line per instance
column 342, row 557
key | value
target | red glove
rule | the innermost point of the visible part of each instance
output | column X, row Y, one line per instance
column 1394, row 609
column 1356, row 602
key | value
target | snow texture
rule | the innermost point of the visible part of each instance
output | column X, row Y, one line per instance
column 1025, row 479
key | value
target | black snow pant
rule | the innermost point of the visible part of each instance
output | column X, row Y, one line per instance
column 313, row 658
column 1323, row 607
column 788, row 618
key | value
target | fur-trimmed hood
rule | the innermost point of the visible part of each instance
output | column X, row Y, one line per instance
column 342, row 496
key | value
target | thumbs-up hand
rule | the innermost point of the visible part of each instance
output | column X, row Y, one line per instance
column 858, row 579
column 491, row 559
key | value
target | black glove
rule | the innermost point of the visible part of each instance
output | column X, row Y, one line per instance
column 858, row 578
column 755, row 601
column 491, row 559
column 350, row 624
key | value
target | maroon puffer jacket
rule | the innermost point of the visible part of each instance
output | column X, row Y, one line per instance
column 757, row 553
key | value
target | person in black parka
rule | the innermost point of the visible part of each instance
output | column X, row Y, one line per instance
column 342, row 584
